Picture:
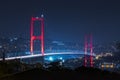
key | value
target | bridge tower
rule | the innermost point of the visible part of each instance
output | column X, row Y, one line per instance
column 40, row 37
column 88, row 48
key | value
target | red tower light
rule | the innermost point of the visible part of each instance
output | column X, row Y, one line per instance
column 88, row 45
column 40, row 37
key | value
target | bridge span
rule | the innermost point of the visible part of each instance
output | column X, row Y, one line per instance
column 46, row 54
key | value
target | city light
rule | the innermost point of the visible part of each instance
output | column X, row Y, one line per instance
column 60, row 58
column 51, row 58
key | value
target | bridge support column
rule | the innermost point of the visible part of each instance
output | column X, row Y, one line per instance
column 88, row 47
column 40, row 37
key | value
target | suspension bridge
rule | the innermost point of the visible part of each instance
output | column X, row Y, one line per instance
column 88, row 50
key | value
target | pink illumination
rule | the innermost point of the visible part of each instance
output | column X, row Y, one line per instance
column 40, row 37
column 88, row 45
column 91, row 51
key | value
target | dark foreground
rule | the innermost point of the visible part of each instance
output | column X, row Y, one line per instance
column 56, row 73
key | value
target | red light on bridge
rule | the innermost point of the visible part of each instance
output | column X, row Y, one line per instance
column 40, row 37
column 88, row 45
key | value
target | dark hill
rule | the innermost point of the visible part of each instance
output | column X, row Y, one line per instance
column 57, row 73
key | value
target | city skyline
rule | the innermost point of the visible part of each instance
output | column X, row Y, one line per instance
column 64, row 20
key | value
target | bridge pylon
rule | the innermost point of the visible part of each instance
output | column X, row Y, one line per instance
column 88, row 48
column 40, row 37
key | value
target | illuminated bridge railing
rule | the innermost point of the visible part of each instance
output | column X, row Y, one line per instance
column 15, row 54
column 38, row 55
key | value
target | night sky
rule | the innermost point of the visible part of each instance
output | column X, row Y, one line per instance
column 65, row 20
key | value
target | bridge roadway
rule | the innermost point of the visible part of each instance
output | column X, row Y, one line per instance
column 46, row 54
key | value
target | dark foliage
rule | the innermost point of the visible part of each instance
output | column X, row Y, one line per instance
column 59, row 73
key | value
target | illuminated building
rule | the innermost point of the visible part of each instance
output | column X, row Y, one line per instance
column 107, row 66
